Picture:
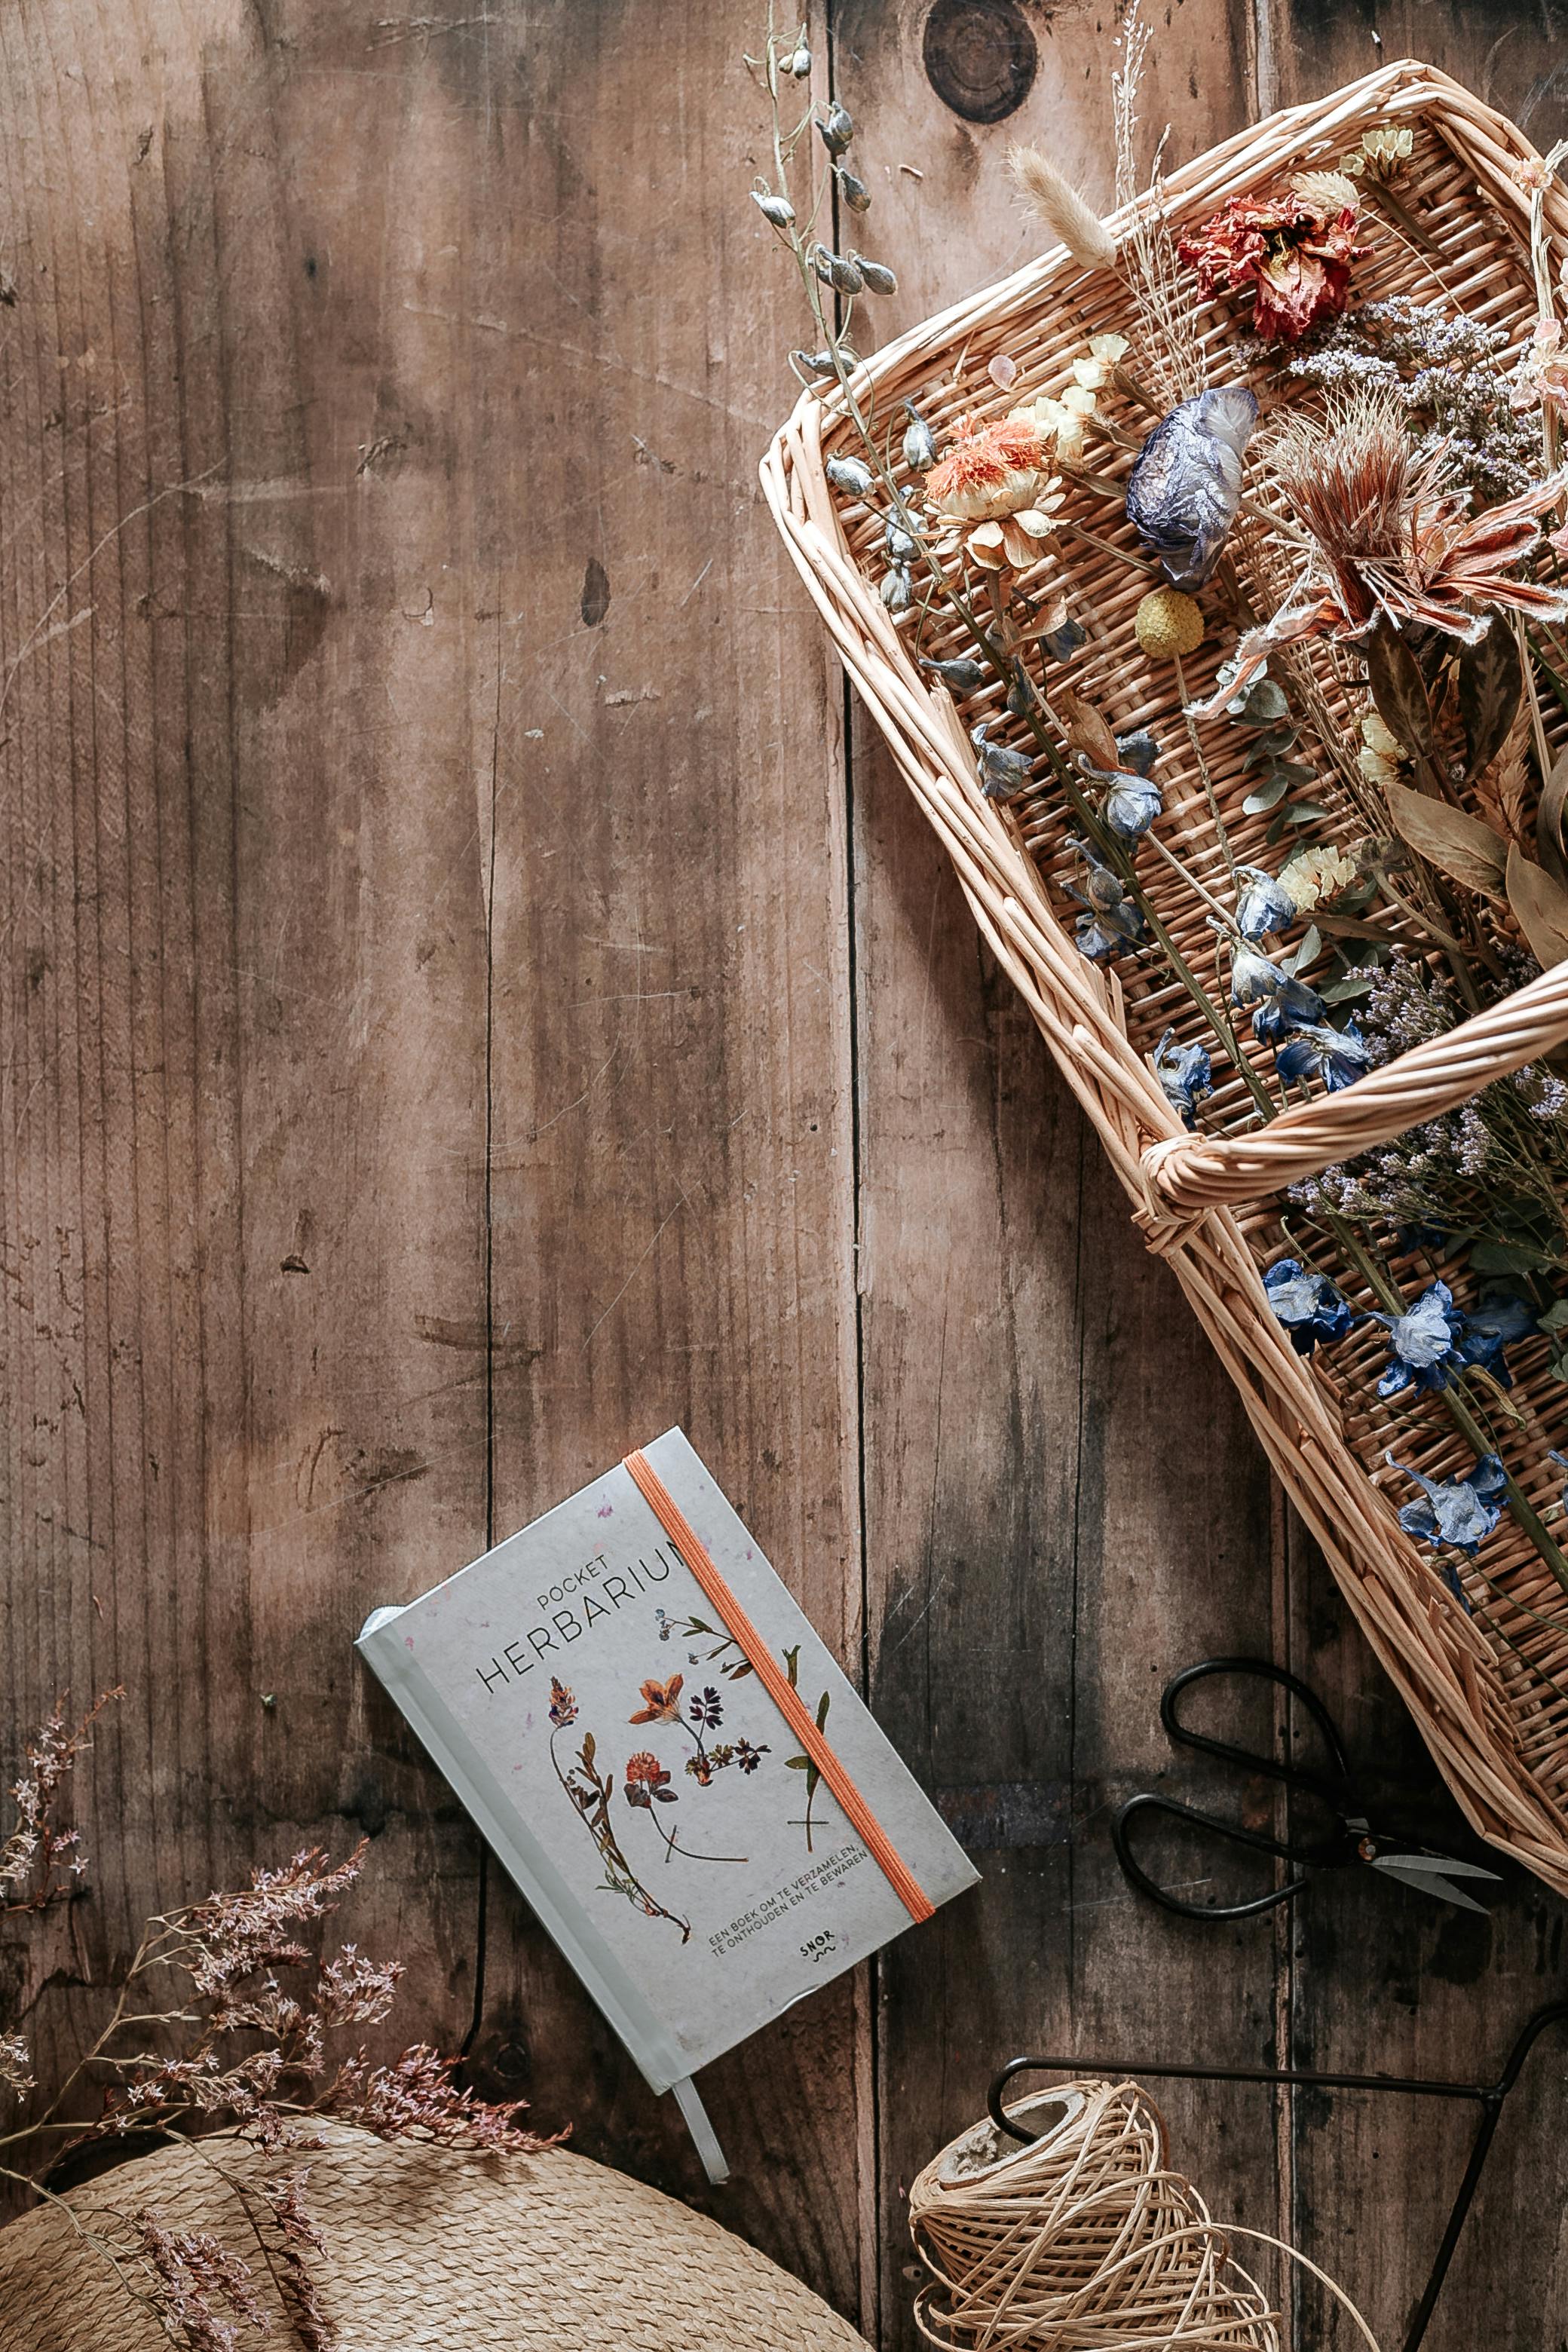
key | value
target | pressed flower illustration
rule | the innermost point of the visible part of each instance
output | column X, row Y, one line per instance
column 591, row 1792
column 804, row 1763
column 645, row 1784
column 708, row 1760
column 661, row 1702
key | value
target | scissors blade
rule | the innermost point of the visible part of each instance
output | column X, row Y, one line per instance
column 1432, row 1874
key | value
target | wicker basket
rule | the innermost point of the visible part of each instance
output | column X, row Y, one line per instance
column 1488, row 1689
column 427, row 2247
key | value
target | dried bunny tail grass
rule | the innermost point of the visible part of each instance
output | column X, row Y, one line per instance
column 1062, row 209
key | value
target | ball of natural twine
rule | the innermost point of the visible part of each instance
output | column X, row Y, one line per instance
column 1082, row 2239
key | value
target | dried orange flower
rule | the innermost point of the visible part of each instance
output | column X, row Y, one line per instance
column 1294, row 247
column 990, row 470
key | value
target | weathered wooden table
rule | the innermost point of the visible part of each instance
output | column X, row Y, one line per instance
column 474, row 995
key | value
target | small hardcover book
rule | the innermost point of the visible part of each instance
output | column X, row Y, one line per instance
column 668, row 1762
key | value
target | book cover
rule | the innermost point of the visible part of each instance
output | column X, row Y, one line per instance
column 596, row 1711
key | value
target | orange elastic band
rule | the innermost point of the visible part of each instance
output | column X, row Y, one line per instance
column 779, row 1688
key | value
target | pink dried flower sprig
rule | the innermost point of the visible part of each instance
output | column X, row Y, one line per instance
column 200, row 2292
column 187, row 2064
column 41, row 1859
column 418, row 2097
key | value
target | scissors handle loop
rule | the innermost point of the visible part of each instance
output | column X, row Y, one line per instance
column 1232, row 1832
column 1337, row 1792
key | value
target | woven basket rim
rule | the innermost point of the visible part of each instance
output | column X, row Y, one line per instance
column 1450, row 1677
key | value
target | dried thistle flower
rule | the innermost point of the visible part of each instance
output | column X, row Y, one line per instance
column 1449, row 374
column 1394, row 537
column 1063, row 210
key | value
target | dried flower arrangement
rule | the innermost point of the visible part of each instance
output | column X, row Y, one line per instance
column 1227, row 544
column 224, row 2028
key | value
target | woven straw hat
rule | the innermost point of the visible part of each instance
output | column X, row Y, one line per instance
column 429, row 2250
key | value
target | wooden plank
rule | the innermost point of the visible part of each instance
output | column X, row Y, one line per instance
column 1063, row 1502
column 1502, row 50
column 245, row 973
column 671, row 1183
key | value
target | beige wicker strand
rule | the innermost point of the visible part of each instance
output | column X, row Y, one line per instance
column 1193, row 1172
column 1083, row 2240
column 1488, row 1691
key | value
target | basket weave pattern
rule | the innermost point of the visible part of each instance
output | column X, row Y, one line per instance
column 428, row 2249
column 1489, row 1690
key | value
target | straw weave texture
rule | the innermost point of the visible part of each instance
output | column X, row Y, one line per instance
column 1489, row 1690
column 429, row 2250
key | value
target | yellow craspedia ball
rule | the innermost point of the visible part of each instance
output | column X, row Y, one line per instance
column 1168, row 622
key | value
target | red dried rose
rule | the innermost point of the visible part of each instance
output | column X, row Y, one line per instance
column 1294, row 247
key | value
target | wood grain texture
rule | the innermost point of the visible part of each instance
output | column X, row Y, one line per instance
column 470, row 1000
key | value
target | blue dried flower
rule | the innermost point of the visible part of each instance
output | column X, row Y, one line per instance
column 1003, row 774
column 1185, row 484
column 1113, row 920
column 1423, row 1342
column 1495, row 1325
column 1184, row 1073
column 1253, row 979
column 1306, row 1304
column 1138, row 751
column 1294, row 1006
column 1263, row 906
column 1132, row 805
column 1063, row 642
column 1336, row 1057
column 1459, row 1512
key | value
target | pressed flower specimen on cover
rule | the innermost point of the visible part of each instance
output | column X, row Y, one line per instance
column 1242, row 565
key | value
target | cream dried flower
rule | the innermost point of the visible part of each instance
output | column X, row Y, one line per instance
column 1326, row 192
column 1382, row 753
column 1062, row 421
column 1314, row 874
column 1104, row 352
column 1532, row 175
column 1381, row 151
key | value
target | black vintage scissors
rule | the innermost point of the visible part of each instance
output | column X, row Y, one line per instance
column 1351, row 1840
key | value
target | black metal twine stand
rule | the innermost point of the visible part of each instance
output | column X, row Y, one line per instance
column 1488, row 2097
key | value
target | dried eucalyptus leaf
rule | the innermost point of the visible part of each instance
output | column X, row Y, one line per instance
column 1265, row 796
column 1264, row 704
column 1458, row 845
column 1491, row 686
column 1509, row 1257
column 1277, row 741
column 1346, row 992
column 1549, row 835
column 1399, row 690
column 1540, row 908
